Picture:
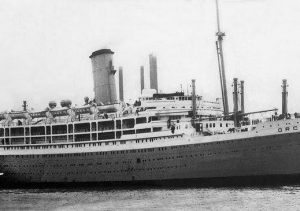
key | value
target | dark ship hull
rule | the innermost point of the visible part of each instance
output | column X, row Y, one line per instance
column 244, row 157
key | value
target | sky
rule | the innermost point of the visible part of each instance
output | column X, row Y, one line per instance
column 45, row 48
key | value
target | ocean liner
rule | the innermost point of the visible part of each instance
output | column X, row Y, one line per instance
column 160, row 138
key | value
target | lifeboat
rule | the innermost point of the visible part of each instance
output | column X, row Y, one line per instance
column 108, row 108
column 66, row 103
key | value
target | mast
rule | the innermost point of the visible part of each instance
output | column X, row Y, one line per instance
column 142, row 79
column 242, row 98
column 194, row 106
column 121, row 88
column 24, row 105
column 284, row 98
column 235, row 101
column 219, row 45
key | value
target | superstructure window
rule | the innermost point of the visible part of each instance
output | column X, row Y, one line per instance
column 19, row 131
column 151, row 107
column 141, row 120
column 153, row 118
column 59, row 129
column 128, row 123
column 38, row 130
column 106, row 125
column 82, row 127
column 146, row 130
column 126, row 132
column 1, row 132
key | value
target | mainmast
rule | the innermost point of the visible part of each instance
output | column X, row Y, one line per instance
column 219, row 45
column 284, row 98
column 235, row 102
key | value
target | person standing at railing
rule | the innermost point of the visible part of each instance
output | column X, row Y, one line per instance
column 172, row 128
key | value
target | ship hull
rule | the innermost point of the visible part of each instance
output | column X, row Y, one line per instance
column 272, row 156
column 236, row 181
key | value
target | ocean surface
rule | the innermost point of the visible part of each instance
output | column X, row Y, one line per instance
column 97, row 198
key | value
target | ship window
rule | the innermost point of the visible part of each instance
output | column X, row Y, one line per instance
column 214, row 125
column 151, row 107
column 146, row 130
column 141, row 120
column 220, row 124
column 154, row 118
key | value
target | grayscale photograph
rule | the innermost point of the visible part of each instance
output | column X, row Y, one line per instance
column 149, row 105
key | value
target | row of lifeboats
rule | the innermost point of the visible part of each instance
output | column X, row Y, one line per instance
column 52, row 112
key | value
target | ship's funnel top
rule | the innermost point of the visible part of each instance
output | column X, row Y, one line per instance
column 101, row 51
column 104, row 76
column 153, row 72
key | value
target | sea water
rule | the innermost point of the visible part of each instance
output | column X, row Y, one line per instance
column 149, row 198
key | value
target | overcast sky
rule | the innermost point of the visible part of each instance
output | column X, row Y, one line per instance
column 45, row 47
